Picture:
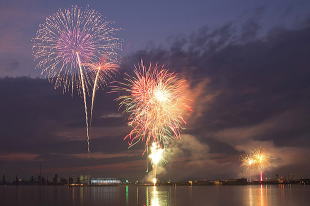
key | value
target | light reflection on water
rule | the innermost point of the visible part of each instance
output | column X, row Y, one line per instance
column 157, row 198
column 254, row 195
column 258, row 196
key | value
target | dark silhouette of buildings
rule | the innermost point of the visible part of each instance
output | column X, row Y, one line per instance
column 86, row 180
column 3, row 180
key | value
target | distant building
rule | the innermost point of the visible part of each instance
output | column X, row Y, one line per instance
column 84, row 179
column 3, row 179
column 55, row 179
column 71, row 180
column 105, row 181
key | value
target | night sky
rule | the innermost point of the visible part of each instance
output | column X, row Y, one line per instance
column 248, row 63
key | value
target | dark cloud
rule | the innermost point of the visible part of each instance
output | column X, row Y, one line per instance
column 41, row 125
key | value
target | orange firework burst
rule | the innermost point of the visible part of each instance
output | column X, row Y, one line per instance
column 158, row 104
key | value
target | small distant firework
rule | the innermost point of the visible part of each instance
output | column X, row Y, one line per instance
column 158, row 104
column 156, row 157
column 262, row 161
column 257, row 160
column 67, row 40
column 248, row 162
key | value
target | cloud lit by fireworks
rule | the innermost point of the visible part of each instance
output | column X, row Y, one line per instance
column 158, row 104
column 68, row 46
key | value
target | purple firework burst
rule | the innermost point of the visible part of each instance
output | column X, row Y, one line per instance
column 72, row 37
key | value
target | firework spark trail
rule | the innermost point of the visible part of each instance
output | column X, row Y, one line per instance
column 157, row 103
column 104, row 71
column 94, row 94
column 68, row 39
column 84, row 99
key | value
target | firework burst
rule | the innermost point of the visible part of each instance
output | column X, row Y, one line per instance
column 158, row 104
column 69, row 39
column 257, row 160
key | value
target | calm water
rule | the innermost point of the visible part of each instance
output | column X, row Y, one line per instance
column 276, row 195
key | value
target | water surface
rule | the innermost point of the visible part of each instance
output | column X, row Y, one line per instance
column 251, row 195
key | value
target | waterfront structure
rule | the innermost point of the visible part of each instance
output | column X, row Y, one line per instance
column 105, row 181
